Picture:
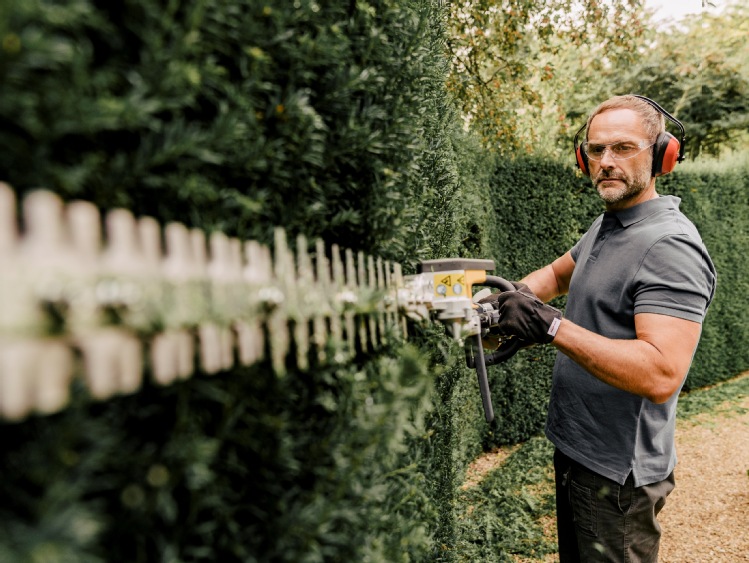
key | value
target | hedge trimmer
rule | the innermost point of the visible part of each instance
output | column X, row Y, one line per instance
column 114, row 297
column 444, row 288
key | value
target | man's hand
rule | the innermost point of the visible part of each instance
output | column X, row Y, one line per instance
column 524, row 316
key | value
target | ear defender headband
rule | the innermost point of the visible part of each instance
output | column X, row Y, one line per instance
column 667, row 150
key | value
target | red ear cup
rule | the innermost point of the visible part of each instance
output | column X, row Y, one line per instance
column 665, row 154
column 582, row 160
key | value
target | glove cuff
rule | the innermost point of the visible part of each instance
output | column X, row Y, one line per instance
column 553, row 328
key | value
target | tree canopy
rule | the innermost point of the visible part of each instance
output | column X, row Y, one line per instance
column 507, row 60
column 525, row 74
column 701, row 71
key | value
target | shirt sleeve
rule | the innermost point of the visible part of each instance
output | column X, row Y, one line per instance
column 676, row 278
column 575, row 251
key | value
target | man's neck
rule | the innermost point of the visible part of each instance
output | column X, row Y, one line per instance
column 637, row 199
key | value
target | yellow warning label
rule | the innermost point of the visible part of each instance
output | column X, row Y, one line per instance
column 450, row 284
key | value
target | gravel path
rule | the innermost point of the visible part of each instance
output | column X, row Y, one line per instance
column 706, row 518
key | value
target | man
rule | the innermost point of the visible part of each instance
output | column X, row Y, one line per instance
column 639, row 283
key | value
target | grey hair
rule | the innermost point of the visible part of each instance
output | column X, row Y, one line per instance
column 652, row 119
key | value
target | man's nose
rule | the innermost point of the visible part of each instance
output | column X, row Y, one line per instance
column 607, row 158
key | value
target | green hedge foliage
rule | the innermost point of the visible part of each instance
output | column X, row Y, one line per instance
column 251, row 468
column 331, row 120
column 328, row 119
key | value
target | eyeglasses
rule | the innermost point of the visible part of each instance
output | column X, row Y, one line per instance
column 619, row 151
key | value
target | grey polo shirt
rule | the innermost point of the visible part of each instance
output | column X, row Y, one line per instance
column 645, row 259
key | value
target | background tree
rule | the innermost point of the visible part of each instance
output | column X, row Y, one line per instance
column 506, row 60
column 700, row 72
column 525, row 74
column 697, row 70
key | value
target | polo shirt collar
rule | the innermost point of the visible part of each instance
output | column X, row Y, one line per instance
column 643, row 210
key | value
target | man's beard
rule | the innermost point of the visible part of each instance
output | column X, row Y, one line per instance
column 633, row 186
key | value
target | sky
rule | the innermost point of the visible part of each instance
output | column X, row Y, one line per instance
column 673, row 10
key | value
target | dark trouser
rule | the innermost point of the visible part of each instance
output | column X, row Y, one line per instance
column 600, row 520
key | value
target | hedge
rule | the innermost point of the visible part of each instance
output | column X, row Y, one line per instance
column 330, row 121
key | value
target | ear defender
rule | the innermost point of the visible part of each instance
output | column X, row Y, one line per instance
column 665, row 154
column 580, row 155
column 667, row 150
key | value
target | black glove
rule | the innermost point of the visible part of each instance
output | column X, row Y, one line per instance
column 525, row 316
column 493, row 297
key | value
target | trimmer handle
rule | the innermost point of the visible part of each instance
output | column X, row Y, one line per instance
column 475, row 352
column 498, row 283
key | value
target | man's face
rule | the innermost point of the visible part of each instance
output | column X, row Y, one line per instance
column 620, row 182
